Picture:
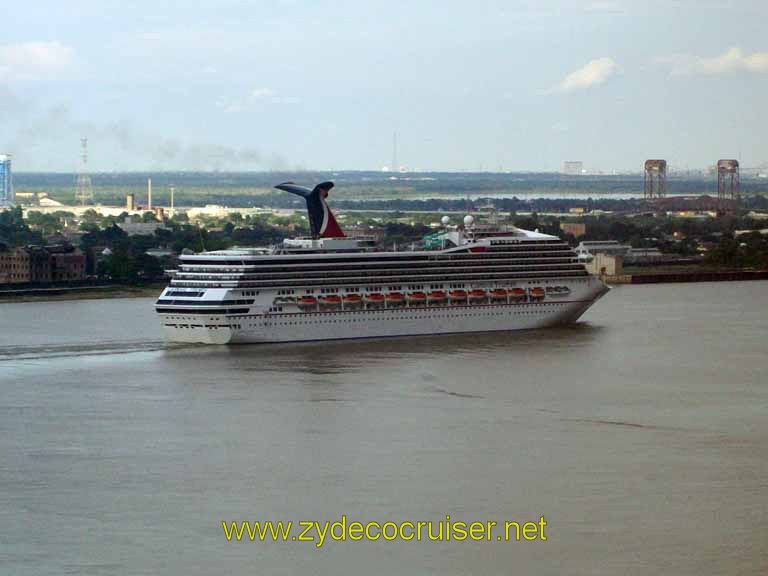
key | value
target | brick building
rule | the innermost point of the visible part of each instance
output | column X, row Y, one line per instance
column 42, row 265
column 14, row 266
column 67, row 265
column 39, row 265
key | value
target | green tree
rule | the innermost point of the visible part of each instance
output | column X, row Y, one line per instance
column 47, row 224
column 14, row 231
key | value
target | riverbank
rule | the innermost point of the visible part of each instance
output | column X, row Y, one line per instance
column 663, row 276
column 80, row 292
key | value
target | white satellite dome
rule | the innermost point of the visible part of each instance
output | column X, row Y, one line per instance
column 469, row 220
column 445, row 220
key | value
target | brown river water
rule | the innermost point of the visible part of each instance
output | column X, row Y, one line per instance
column 640, row 434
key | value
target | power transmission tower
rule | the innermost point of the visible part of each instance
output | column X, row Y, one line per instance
column 83, row 188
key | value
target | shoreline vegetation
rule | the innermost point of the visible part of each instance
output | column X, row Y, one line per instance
column 101, row 292
column 126, row 251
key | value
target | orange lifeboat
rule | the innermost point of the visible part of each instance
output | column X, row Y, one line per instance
column 416, row 298
column 537, row 293
column 517, row 293
column 353, row 300
column 458, row 295
column 498, row 294
column 374, row 300
column 330, row 301
column 436, row 296
column 307, row 302
column 395, row 299
column 477, row 295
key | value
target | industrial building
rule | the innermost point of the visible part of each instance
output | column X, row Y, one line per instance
column 573, row 167
column 135, row 226
column 605, row 264
column 576, row 229
column 589, row 248
column 6, row 180
column 644, row 255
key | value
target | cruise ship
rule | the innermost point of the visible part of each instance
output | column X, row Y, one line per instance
column 476, row 278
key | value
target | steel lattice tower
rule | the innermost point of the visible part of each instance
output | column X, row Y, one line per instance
column 655, row 179
column 728, row 187
column 83, row 188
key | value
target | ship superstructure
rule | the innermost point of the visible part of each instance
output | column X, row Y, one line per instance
column 329, row 286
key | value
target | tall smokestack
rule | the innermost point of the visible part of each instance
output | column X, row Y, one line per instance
column 149, row 193
column 395, row 167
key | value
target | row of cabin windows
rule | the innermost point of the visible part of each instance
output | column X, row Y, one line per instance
column 444, row 261
column 523, row 246
column 529, row 276
column 355, row 289
column 474, row 262
column 478, row 278
column 519, row 309
column 397, row 288
column 327, row 318
column 568, row 263
column 411, row 317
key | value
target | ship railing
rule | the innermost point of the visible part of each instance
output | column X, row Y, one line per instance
column 575, row 273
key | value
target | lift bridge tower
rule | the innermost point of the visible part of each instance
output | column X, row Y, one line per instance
column 655, row 179
column 728, row 187
column 83, row 188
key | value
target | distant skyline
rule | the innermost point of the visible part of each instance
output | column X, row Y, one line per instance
column 290, row 84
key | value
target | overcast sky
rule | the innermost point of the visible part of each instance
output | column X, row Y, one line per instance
column 248, row 85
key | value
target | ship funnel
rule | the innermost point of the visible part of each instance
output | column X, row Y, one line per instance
column 321, row 219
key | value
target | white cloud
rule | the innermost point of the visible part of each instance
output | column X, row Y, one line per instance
column 34, row 60
column 254, row 97
column 593, row 73
column 731, row 60
column 258, row 93
column 603, row 6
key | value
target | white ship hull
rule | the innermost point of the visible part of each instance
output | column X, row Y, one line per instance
column 309, row 326
column 332, row 287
